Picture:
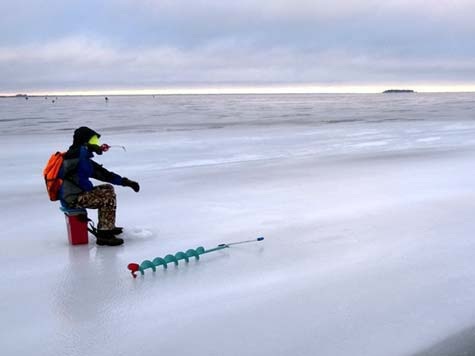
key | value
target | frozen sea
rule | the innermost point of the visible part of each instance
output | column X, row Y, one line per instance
column 366, row 203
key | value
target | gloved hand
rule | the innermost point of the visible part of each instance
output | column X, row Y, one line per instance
column 95, row 148
column 130, row 183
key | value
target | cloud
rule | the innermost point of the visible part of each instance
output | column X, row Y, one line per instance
column 123, row 43
column 79, row 63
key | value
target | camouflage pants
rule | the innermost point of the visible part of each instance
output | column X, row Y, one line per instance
column 103, row 198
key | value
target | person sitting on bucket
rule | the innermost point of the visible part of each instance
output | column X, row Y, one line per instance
column 77, row 191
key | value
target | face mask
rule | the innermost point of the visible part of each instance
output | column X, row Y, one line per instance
column 94, row 141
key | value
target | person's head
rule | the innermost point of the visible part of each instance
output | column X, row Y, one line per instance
column 84, row 135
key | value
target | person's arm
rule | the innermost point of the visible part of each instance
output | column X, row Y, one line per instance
column 102, row 174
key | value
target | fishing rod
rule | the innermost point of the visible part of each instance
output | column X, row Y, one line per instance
column 105, row 147
column 180, row 255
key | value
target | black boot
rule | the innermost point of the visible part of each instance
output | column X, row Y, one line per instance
column 117, row 230
column 107, row 238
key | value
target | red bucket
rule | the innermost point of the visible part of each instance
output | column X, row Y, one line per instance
column 76, row 223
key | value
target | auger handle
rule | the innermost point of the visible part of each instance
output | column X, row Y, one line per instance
column 241, row 242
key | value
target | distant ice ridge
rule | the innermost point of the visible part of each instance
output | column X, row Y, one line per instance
column 372, row 144
column 206, row 162
column 234, row 145
column 142, row 114
column 429, row 139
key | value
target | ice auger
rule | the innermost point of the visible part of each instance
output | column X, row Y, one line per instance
column 158, row 261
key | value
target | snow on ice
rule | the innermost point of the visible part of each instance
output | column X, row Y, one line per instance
column 369, row 226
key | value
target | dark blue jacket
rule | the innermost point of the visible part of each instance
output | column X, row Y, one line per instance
column 76, row 171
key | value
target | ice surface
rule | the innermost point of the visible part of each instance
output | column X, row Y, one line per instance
column 369, row 247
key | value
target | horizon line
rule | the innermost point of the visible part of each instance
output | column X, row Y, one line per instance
column 290, row 89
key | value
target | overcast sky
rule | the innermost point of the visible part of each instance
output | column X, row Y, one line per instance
column 72, row 45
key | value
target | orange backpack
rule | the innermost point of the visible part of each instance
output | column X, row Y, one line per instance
column 51, row 174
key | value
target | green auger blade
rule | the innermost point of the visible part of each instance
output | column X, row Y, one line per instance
column 158, row 261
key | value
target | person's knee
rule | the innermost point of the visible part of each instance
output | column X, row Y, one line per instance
column 108, row 187
column 108, row 191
